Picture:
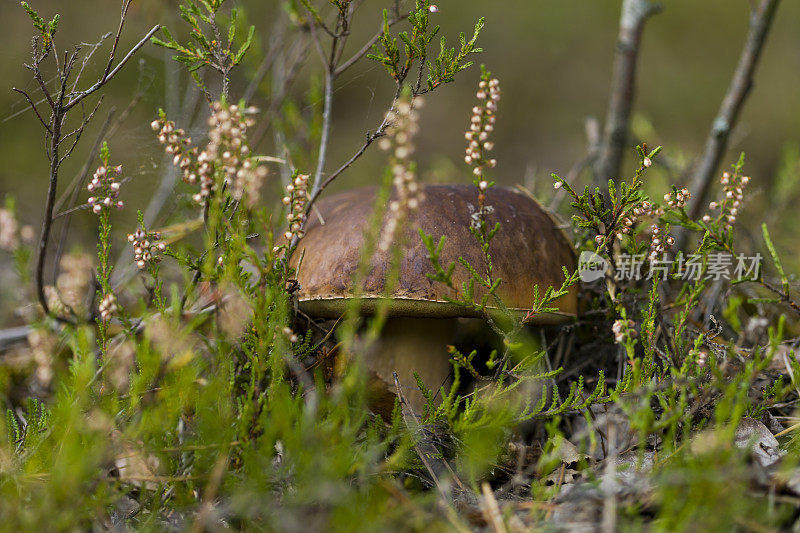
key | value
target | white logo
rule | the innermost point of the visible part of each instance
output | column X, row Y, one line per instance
column 591, row 266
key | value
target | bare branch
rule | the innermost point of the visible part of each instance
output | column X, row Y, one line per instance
column 33, row 106
column 326, row 110
column 87, row 57
column 125, row 5
column 371, row 137
column 107, row 77
column 615, row 135
column 738, row 90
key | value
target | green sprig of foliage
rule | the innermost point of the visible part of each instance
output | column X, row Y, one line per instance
column 208, row 50
column 415, row 51
column 47, row 30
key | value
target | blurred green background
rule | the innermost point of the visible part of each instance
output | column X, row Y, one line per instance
column 553, row 59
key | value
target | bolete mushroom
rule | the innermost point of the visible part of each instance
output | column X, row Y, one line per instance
column 529, row 249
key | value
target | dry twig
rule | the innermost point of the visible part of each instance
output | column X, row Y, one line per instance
column 615, row 135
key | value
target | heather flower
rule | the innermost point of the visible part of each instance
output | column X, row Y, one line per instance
column 8, row 230
column 659, row 242
column 733, row 186
column 408, row 193
column 677, row 199
column 108, row 306
column 226, row 152
column 295, row 200
column 146, row 248
column 482, row 124
column 74, row 280
column 105, row 189
column 622, row 329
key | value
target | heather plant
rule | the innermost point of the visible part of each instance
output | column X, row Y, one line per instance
column 177, row 385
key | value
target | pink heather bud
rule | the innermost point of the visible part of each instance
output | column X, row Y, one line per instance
column 107, row 202
column 120, row 205
column 97, row 209
column 115, row 186
column 91, row 200
column 557, row 185
column 155, row 125
column 161, row 247
column 140, row 263
column 599, row 239
column 647, row 162
column 433, row 8
column 713, row 205
column 745, row 180
column 483, row 185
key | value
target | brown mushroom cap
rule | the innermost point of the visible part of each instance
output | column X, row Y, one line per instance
column 528, row 249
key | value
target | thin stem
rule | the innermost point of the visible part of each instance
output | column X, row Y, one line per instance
column 107, row 77
column 615, row 136
column 738, row 90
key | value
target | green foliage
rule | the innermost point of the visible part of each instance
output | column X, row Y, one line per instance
column 208, row 50
column 47, row 30
column 444, row 68
column 204, row 397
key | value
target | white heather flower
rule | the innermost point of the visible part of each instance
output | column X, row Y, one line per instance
column 108, row 306
column 407, row 193
column 8, row 230
column 146, row 247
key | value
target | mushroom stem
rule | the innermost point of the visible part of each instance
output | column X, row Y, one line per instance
column 409, row 345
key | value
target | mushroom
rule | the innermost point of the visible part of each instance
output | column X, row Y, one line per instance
column 529, row 249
